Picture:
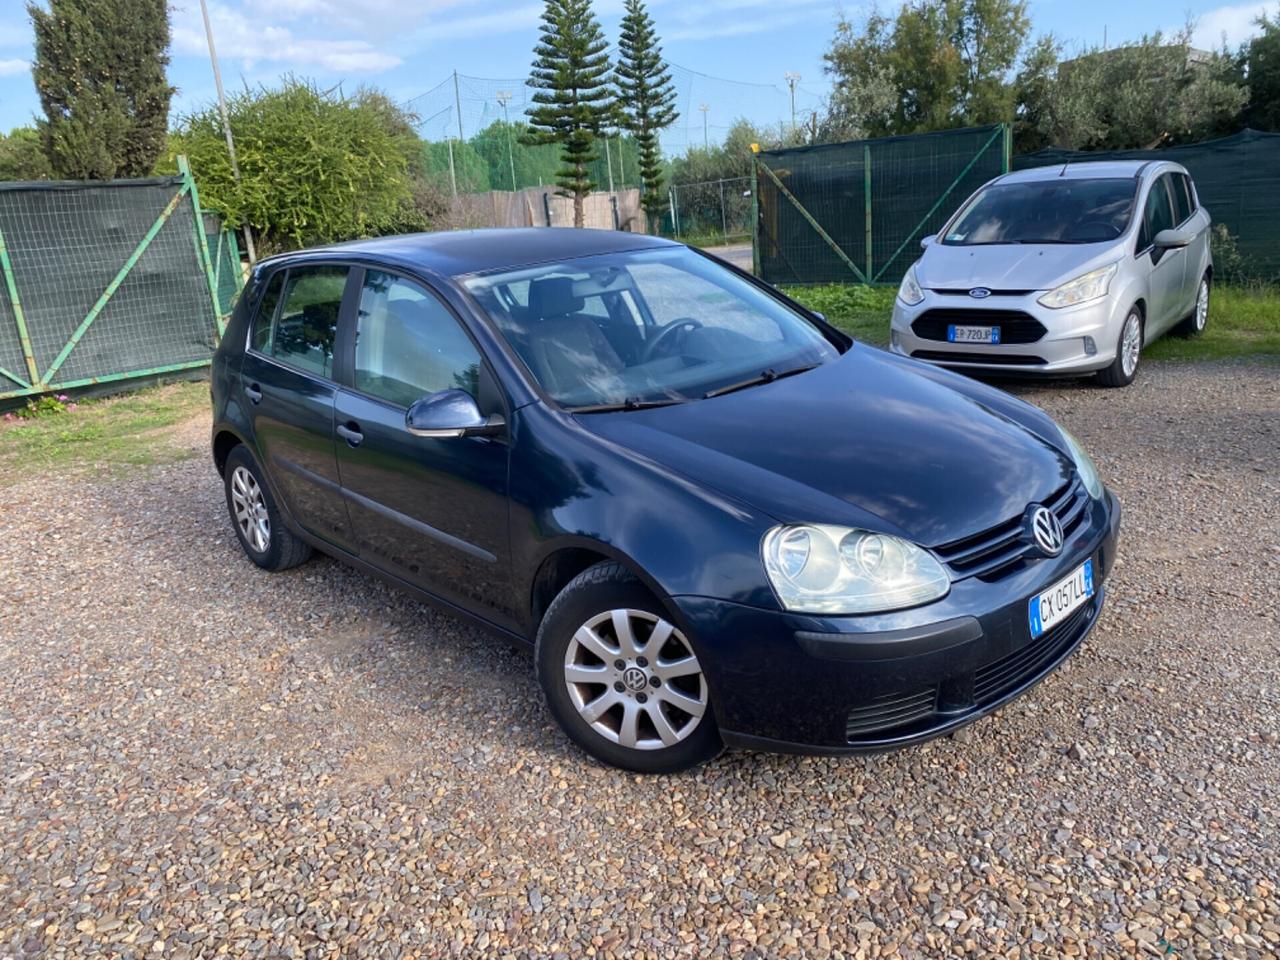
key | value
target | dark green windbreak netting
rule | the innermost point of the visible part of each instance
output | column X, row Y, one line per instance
column 1236, row 177
column 873, row 199
column 66, row 243
column 224, row 253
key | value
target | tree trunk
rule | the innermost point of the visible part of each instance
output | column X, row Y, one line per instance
column 578, row 198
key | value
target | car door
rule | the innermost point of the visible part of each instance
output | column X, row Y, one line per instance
column 287, row 377
column 1186, row 210
column 1166, row 265
column 428, row 510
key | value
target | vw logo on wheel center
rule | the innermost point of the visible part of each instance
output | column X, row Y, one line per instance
column 1046, row 531
column 634, row 679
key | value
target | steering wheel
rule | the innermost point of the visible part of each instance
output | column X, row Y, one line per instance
column 665, row 334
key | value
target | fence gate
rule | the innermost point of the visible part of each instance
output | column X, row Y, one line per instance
column 106, row 281
column 855, row 212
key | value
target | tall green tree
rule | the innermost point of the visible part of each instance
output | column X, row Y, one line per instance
column 573, row 98
column 935, row 64
column 21, row 157
column 1262, row 57
column 100, row 72
column 646, row 99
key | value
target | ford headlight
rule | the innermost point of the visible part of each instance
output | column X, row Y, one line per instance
column 818, row 568
column 1084, row 464
column 909, row 291
column 1089, row 286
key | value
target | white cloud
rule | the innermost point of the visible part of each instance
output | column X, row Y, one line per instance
column 253, row 39
column 1235, row 22
column 11, row 68
column 519, row 18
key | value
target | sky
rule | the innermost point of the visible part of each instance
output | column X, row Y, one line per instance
column 730, row 56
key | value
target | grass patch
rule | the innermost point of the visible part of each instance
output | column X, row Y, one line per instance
column 1242, row 321
column 860, row 311
column 124, row 430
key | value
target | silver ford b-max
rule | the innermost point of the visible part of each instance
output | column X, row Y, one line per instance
column 1061, row 270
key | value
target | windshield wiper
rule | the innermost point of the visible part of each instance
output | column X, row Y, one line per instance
column 766, row 376
column 632, row 403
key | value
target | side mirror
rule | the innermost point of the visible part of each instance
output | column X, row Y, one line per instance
column 1169, row 239
column 927, row 241
column 820, row 316
column 450, row 413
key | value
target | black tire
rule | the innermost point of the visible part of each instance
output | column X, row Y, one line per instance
column 1194, row 323
column 595, row 592
column 282, row 549
column 1115, row 375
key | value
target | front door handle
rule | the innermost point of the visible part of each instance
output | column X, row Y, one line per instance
column 350, row 432
column 253, row 392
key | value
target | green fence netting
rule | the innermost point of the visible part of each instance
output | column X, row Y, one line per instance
column 1236, row 177
column 855, row 212
column 224, row 254
column 104, row 281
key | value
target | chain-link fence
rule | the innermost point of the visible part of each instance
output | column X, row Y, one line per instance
column 1238, row 182
column 855, row 212
column 715, row 211
column 107, row 281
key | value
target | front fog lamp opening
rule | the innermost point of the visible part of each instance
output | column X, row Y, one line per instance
column 819, row 568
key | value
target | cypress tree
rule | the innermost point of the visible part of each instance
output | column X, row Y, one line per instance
column 573, row 100
column 646, row 99
column 100, row 72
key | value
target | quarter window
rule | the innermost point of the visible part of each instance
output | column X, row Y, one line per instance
column 408, row 344
column 304, row 332
column 1182, row 202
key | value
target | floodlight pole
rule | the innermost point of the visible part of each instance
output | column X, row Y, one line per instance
column 704, row 107
column 504, row 96
column 792, row 79
column 226, row 126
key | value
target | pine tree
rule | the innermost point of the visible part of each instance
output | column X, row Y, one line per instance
column 646, row 99
column 573, row 102
column 100, row 73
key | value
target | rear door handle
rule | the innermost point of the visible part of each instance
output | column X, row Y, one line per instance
column 350, row 432
column 253, row 392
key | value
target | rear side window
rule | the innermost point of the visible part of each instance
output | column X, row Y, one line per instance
column 408, row 344
column 307, row 325
column 1183, row 205
column 1158, row 213
column 262, row 323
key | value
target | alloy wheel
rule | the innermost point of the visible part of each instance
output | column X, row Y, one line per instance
column 250, row 509
column 1131, row 344
column 1202, row 306
column 634, row 678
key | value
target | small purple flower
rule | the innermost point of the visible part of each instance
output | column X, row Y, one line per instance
column 71, row 406
column 63, row 398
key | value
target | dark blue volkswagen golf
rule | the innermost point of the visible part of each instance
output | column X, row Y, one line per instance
column 717, row 518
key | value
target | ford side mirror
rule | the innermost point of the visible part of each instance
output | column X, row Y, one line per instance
column 928, row 240
column 1169, row 239
column 450, row 413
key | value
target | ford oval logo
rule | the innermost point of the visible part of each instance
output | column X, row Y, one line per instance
column 979, row 293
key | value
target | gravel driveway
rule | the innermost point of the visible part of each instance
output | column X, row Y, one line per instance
column 199, row 758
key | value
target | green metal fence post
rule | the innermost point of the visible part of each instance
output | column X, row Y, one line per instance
column 1008, row 146
column 235, row 258
column 202, row 243
column 755, row 215
column 866, row 201
column 217, row 259
column 113, row 286
column 19, row 318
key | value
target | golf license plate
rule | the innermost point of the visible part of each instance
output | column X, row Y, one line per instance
column 959, row 334
column 1050, row 608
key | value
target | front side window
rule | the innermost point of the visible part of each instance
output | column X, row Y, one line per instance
column 1157, row 215
column 408, row 344
column 644, row 325
column 1183, row 205
column 1061, row 210
column 264, row 321
column 307, row 322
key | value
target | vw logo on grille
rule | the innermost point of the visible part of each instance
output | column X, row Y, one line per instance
column 979, row 293
column 1046, row 531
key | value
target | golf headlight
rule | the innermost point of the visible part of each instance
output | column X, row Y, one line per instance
column 817, row 568
column 909, row 291
column 1084, row 464
column 1089, row 286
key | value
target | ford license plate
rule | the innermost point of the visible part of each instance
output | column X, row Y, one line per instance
column 959, row 334
column 1054, row 605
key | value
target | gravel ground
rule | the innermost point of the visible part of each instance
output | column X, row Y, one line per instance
column 198, row 758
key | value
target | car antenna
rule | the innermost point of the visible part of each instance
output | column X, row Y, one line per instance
column 1065, row 164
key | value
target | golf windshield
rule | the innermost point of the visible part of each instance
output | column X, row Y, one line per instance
column 1061, row 210
column 645, row 326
